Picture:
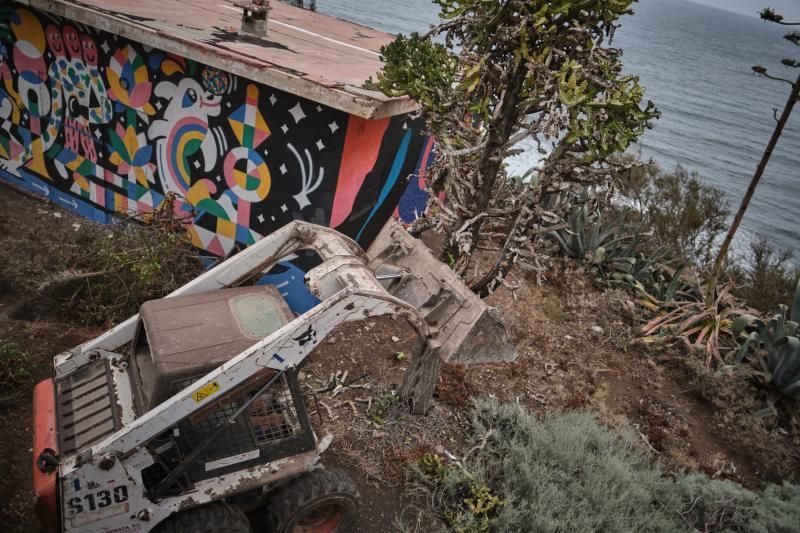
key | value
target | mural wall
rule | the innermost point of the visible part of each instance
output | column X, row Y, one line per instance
column 103, row 125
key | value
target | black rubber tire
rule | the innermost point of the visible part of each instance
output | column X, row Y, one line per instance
column 309, row 497
column 217, row 517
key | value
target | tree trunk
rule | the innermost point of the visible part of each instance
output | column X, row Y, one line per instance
column 507, row 256
column 711, row 289
column 420, row 379
column 499, row 131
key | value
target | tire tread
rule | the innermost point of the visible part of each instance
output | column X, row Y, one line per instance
column 217, row 517
column 301, row 492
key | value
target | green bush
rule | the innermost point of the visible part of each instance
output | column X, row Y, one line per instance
column 472, row 504
column 765, row 278
column 566, row 472
column 383, row 406
column 683, row 215
column 705, row 504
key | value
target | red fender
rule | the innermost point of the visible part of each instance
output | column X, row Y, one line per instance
column 44, row 438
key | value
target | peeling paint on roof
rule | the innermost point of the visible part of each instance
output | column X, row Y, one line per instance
column 315, row 56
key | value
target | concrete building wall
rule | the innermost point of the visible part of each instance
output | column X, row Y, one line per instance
column 104, row 126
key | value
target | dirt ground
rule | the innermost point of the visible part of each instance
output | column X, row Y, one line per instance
column 577, row 346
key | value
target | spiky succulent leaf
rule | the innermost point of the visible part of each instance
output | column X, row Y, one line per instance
column 742, row 322
column 752, row 340
column 784, row 364
column 675, row 282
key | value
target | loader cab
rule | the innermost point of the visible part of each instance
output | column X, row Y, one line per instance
column 181, row 339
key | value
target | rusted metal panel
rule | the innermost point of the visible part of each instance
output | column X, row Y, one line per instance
column 210, row 326
column 191, row 335
column 315, row 56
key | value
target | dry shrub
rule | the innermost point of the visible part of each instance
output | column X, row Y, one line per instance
column 109, row 271
column 16, row 367
column 684, row 215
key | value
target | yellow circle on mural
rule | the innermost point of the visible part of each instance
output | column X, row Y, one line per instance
column 247, row 174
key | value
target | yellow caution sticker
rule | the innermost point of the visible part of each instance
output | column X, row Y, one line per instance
column 205, row 391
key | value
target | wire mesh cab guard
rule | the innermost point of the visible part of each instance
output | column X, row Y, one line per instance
column 275, row 425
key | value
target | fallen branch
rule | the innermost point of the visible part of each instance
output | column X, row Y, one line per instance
column 68, row 276
column 480, row 446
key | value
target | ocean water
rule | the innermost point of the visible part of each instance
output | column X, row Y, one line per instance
column 716, row 115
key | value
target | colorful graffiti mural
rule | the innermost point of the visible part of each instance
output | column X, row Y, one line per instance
column 104, row 126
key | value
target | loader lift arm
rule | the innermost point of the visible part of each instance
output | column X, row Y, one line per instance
column 397, row 276
column 284, row 349
column 334, row 249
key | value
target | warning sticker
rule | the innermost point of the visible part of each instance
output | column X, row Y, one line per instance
column 205, row 391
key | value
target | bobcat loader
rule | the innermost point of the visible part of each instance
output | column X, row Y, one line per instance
column 188, row 415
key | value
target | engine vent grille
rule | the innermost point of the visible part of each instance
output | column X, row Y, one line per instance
column 85, row 407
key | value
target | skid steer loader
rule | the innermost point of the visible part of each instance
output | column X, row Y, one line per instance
column 189, row 414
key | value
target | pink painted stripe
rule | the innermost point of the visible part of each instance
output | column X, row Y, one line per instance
column 423, row 166
column 361, row 146
column 243, row 213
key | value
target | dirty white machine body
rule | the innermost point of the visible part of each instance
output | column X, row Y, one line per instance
column 124, row 473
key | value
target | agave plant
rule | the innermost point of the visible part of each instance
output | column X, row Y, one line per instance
column 700, row 326
column 783, row 362
column 664, row 285
column 655, row 283
column 777, row 343
column 589, row 237
column 608, row 246
column 763, row 334
column 611, row 247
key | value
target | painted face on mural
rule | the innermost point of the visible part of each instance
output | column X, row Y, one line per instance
column 189, row 98
column 72, row 42
column 55, row 41
column 194, row 97
column 89, row 51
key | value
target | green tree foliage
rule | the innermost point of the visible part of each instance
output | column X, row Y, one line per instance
column 501, row 72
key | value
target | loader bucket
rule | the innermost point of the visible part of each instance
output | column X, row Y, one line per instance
column 465, row 328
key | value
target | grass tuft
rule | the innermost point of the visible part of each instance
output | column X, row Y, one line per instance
column 16, row 367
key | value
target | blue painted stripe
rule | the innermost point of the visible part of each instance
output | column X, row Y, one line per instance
column 394, row 174
column 63, row 199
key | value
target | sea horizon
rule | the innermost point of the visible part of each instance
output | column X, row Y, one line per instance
column 717, row 116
